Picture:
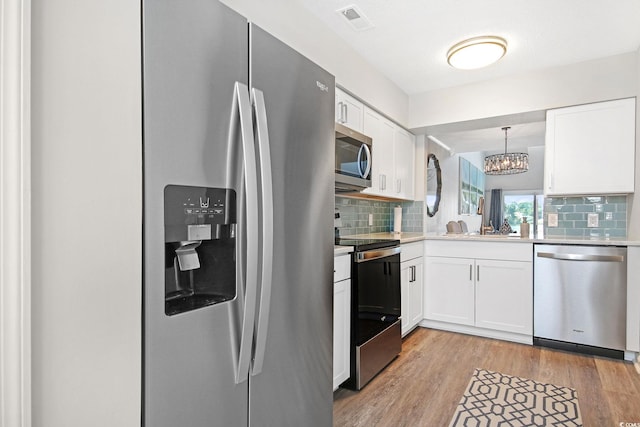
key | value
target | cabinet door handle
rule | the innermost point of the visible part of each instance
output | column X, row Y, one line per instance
column 346, row 113
column 340, row 110
column 470, row 272
column 398, row 186
column 478, row 273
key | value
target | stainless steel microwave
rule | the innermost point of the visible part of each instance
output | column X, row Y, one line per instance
column 354, row 154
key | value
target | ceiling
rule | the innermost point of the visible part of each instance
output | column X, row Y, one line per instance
column 410, row 38
column 491, row 139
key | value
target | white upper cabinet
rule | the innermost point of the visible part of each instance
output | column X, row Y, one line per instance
column 349, row 111
column 404, row 160
column 590, row 149
column 393, row 157
column 381, row 132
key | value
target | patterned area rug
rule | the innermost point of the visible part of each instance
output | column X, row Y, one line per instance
column 494, row 399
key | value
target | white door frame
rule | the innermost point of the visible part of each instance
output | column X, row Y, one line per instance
column 15, row 214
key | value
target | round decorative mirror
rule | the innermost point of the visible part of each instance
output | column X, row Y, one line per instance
column 434, row 185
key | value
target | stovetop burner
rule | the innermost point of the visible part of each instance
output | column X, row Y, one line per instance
column 366, row 244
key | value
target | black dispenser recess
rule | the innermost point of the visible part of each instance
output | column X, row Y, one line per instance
column 200, row 247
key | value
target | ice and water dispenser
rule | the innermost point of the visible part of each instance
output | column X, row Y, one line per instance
column 200, row 247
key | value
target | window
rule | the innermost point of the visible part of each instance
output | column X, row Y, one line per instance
column 519, row 205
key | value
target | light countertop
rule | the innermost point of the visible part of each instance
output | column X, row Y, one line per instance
column 547, row 240
column 403, row 237
column 341, row 250
column 408, row 237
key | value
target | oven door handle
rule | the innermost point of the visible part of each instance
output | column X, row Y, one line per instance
column 376, row 254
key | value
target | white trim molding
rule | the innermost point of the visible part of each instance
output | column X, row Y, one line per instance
column 15, row 214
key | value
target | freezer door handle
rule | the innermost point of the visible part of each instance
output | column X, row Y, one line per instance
column 582, row 257
column 264, row 155
column 241, row 112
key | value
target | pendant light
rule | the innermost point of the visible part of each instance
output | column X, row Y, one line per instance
column 507, row 163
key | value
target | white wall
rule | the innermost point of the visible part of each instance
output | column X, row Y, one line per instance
column 86, row 163
column 296, row 26
column 633, row 226
column 598, row 80
column 592, row 81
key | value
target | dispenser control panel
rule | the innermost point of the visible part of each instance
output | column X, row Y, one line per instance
column 199, row 247
column 197, row 213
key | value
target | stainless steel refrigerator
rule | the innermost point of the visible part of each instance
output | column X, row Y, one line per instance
column 238, row 214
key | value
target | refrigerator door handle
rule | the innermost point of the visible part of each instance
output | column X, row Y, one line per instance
column 264, row 155
column 242, row 112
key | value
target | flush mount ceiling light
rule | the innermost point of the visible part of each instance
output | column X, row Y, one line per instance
column 476, row 52
column 507, row 163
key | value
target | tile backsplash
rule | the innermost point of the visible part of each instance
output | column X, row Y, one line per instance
column 355, row 215
column 573, row 214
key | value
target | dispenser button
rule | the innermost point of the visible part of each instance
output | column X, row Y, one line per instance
column 199, row 232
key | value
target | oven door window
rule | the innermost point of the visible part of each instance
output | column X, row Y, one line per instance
column 379, row 287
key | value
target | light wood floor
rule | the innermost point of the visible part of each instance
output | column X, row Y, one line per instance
column 423, row 386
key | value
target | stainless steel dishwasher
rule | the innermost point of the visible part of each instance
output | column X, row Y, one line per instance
column 580, row 298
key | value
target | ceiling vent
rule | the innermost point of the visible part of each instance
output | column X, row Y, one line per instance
column 355, row 18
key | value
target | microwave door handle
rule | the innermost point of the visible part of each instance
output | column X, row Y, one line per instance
column 264, row 155
column 241, row 113
column 364, row 148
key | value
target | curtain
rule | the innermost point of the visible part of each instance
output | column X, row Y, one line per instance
column 495, row 211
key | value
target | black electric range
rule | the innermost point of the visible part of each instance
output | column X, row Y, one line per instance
column 376, row 337
column 366, row 244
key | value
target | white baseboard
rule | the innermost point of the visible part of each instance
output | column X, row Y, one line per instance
column 481, row 332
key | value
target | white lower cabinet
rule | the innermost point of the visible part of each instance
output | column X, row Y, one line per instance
column 449, row 291
column 480, row 295
column 504, row 296
column 341, row 319
column 411, row 285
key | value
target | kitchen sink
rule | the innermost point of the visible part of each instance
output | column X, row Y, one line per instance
column 478, row 236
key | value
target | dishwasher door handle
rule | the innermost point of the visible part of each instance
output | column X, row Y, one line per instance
column 582, row 257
